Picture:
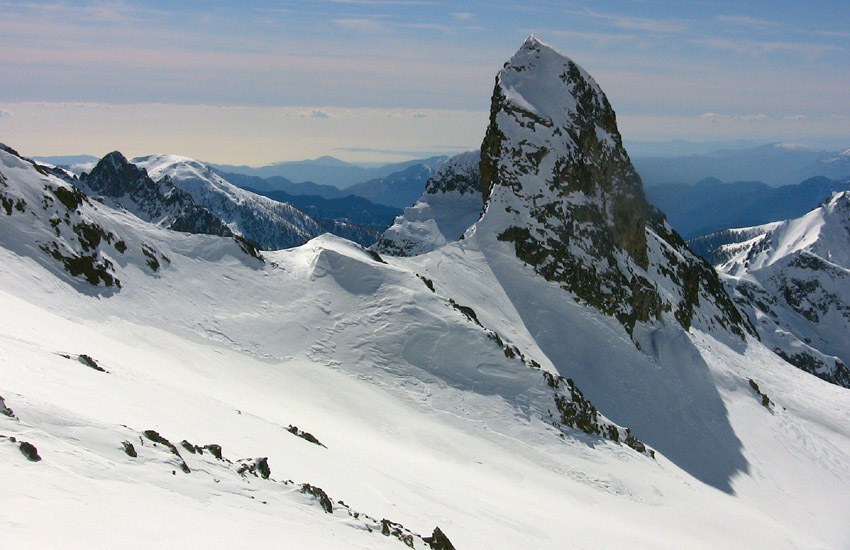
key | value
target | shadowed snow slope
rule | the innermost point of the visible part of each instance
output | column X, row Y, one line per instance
column 433, row 382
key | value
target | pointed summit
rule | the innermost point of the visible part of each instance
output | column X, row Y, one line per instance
column 532, row 42
column 553, row 133
column 558, row 184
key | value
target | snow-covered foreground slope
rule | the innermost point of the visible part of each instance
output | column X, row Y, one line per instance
column 795, row 278
column 236, row 369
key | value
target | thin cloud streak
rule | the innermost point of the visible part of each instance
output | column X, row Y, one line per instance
column 637, row 23
column 747, row 21
column 753, row 47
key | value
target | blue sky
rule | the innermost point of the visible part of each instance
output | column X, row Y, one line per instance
column 386, row 79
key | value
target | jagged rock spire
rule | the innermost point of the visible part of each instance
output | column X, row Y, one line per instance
column 559, row 186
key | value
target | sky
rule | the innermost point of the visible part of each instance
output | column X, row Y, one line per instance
column 389, row 80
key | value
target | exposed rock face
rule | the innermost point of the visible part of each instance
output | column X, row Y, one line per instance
column 452, row 202
column 159, row 202
column 560, row 187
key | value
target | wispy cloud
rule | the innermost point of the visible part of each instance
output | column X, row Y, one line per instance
column 378, row 24
column 462, row 15
column 747, row 21
column 644, row 24
column 426, row 26
column 837, row 34
column 316, row 113
column 598, row 38
column 755, row 47
column 742, row 118
column 361, row 24
column 381, row 2
column 104, row 11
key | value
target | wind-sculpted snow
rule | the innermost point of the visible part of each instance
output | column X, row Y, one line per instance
column 450, row 205
column 794, row 278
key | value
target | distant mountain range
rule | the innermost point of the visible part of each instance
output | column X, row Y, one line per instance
column 329, row 170
column 711, row 205
column 775, row 164
column 351, row 208
column 398, row 189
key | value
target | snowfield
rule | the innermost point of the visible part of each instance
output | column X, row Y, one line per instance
column 185, row 358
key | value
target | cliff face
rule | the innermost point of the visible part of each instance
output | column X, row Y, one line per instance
column 559, row 186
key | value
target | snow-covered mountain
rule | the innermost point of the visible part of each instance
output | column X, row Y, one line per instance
column 452, row 202
column 116, row 180
column 270, row 224
column 53, row 222
column 332, row 397
column 795, row 277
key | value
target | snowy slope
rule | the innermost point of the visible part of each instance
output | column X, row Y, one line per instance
column 450, row 205
column 431, row 382
column 235, row 369
column 795, row 278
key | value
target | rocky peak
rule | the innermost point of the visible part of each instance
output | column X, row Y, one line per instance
column 159, row 202
column 115, row 176
column 558, row 184
column 560, row 135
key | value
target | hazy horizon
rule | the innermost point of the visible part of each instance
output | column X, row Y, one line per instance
column 387, row 80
